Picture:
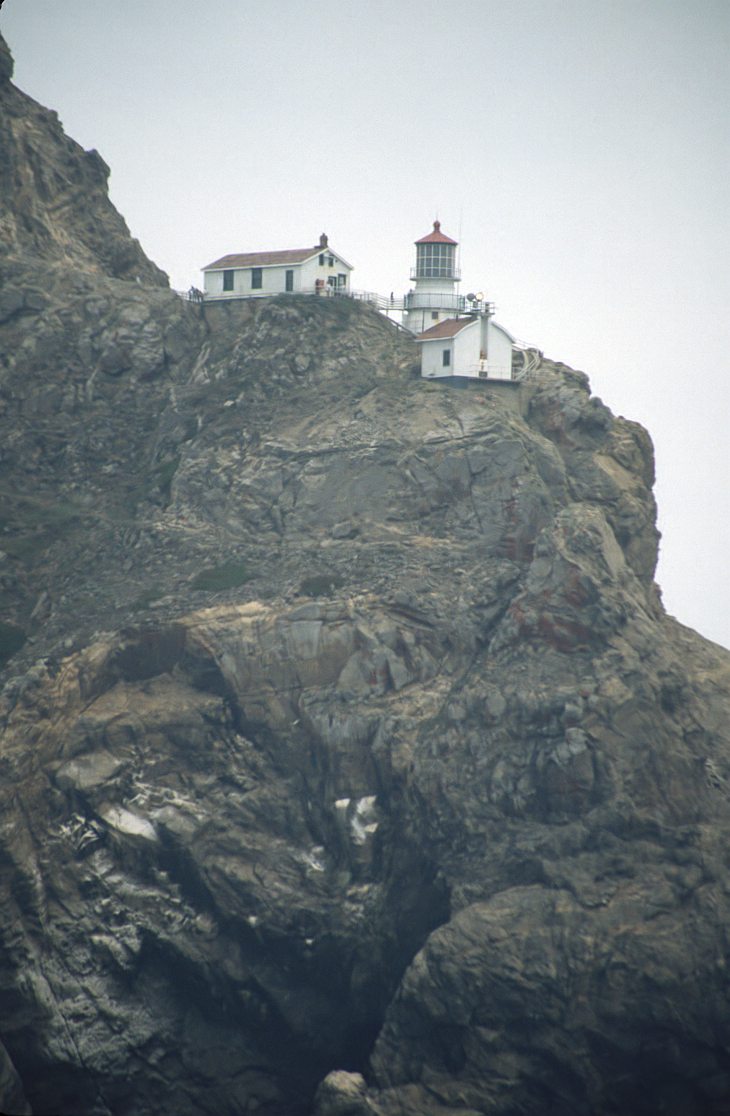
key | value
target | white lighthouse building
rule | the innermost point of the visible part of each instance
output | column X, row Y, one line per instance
column 436, row 278
column 458, row 336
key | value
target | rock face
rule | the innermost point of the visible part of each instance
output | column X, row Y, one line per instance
column 350, row 765
column 53, row 198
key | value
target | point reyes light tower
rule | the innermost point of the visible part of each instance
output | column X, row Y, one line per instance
column 436, row 276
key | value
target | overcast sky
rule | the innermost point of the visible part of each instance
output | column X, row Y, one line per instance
column 578, row 149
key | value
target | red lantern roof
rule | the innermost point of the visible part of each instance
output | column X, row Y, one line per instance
column 436, row 237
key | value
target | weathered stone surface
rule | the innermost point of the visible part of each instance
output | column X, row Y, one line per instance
column 6, row 62
column 351, row 765
column 12, row 1100
column 344, row 1094
column 53, row 194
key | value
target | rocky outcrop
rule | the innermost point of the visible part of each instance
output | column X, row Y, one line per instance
column 53, row 194
column 351, row 766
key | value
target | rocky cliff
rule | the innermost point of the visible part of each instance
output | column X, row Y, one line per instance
column 351, row 766
column 53, row 199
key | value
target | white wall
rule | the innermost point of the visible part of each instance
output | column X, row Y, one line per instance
column 466, row 350
column 499, row 352
column 213, row 282
column 312, row 270
column 431, row 357
column 273, row 281
column 418, row 321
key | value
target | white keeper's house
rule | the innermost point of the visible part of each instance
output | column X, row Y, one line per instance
column 316, row 270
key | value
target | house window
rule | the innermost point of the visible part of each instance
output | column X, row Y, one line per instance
column 227, row 280
column 256, row 279
column 446, row 358
column 434, row 315
column 341, row 280
column 331, row 261
column 289, row 281
column 321, row 260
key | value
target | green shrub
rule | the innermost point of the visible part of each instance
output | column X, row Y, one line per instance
column 26, row 547
column 320, row 585
column 33, row 524
column 49, row 514
column 164, row 474
column 145, row 599
column 12, row 639
column 228, row 575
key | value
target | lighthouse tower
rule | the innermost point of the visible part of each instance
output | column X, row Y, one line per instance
column 436, row 276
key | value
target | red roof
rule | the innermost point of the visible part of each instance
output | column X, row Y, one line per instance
column 448, row 328
column 436, row 237
column 262, row 259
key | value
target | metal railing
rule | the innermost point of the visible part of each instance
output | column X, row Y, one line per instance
column 383, row 302
column 419, row 300
column 436, row 272
column 531, row 358
column 195, row 295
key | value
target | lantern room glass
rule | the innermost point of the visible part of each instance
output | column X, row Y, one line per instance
column 435, row 261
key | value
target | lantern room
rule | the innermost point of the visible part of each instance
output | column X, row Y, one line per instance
column 435, row 256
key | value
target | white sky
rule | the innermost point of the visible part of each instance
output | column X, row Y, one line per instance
column 579, row 149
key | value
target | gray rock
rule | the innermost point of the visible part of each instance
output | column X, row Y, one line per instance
column 6, row 61
column 344, row 1094
column 11, row 301
column 12, row 1099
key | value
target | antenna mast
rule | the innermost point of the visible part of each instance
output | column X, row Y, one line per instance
column 458, row 258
